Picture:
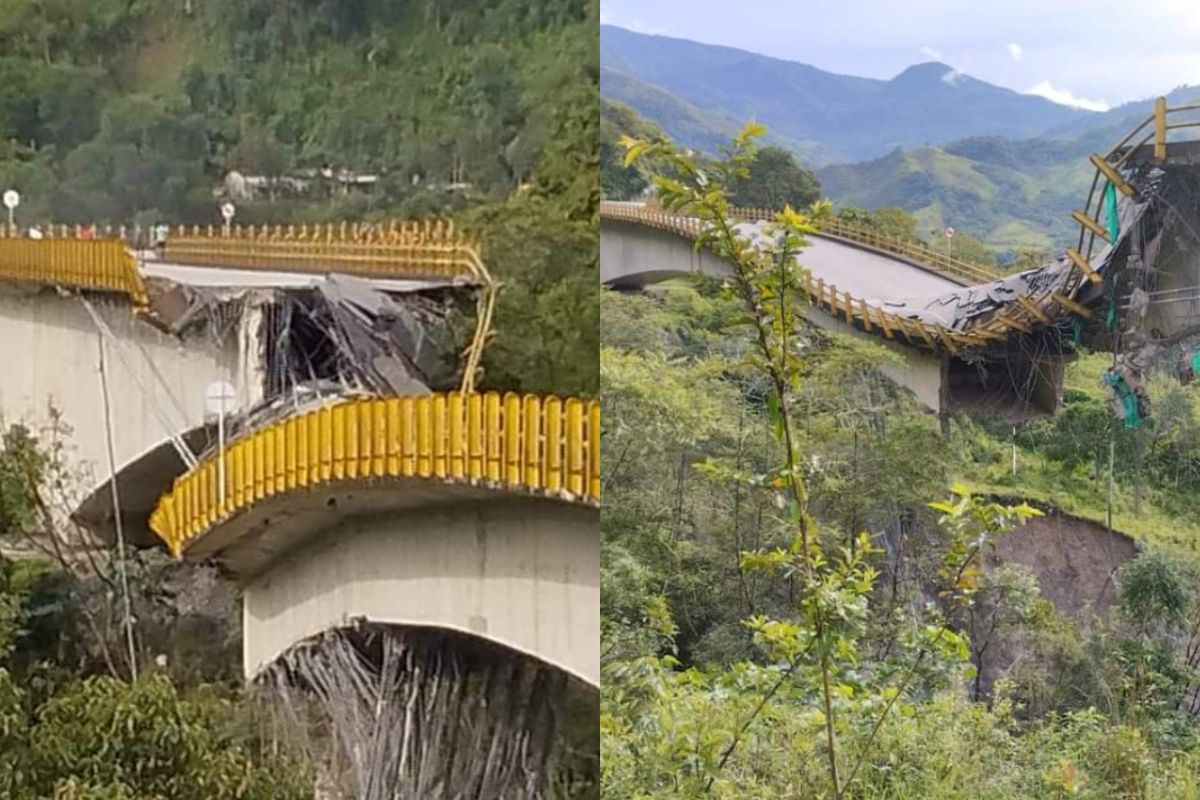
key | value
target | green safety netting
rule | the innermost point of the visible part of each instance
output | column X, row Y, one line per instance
column 1110, row 320
column 1110, row 205
column 1127, row 397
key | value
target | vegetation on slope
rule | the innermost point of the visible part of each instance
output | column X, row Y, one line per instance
column 729, row 673
column 1011, row 195
column 77, row 718
column 134, row 112
column 1064, row 461
column 617, row 120
column 692, row 126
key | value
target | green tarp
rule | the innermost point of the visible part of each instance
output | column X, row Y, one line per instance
column 1128, row 399
column 1110, row 206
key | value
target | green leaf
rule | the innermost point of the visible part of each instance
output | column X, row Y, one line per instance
column 635, row 151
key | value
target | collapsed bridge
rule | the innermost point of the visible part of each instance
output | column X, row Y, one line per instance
column 395, row 532
column 970, row 339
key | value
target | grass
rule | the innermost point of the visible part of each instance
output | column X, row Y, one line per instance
column 951, row 172
column 1015, row 234
column 1077, row 491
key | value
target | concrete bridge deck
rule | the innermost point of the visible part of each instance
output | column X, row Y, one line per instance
column 860, row 289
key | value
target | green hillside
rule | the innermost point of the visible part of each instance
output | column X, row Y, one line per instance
column 111, row 108
column 1005, row 167
column 688, row 124
column 1012, row 195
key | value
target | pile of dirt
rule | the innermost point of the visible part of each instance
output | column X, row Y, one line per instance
column 1075, row 561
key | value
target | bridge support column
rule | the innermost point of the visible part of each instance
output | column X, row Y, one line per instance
column 520, row 572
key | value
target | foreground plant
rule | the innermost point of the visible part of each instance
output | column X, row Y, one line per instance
column 819, row 646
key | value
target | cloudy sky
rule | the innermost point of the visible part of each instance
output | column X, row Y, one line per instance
column 1094, row 53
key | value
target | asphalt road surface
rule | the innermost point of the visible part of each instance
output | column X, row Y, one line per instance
column 867, row 275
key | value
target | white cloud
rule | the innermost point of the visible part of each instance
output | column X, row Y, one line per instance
column 953, row 77
column 640, row 26
column 1016, row 51
column 610, row 17
column 930, row 53
column 1064, row 97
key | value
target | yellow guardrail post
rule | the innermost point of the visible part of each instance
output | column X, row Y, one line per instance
column 523, row 443
column 91, row 264
column 1160, row 129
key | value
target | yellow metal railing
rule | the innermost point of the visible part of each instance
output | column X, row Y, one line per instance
column 1023, row 315
column 541, row 445
column 957, row 270
column 97, row 264
column 431, row 249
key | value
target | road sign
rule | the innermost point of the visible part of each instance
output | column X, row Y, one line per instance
column 227, row 211
column 11, row 200
column 219, row 398
column 950, row 232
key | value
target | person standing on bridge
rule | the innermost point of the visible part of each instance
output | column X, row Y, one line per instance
column 160, row 239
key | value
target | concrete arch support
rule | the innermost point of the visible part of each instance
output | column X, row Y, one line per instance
column 522, row 572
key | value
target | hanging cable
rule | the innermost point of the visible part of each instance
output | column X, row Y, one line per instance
column 185, row 453
column 116, row 500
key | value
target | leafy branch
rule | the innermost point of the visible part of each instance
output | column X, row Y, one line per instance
column 835, row 583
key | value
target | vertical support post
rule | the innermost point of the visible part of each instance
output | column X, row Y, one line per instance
column 221, row 454
column 1160, row 129
column 1014, row 452
column 1112, row 454
column 944, row 397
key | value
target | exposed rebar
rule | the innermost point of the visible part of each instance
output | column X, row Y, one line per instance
column 421, row 714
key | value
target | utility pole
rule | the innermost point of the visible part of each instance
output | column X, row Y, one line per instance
column 1014, row 453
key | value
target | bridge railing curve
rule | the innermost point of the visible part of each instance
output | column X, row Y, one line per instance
column 546, row 446
column 1022, row 315
column 910, row 250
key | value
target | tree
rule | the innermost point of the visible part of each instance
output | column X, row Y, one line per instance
column 259, row 152
column 774, row 180
column 890, row 220
column 819, row 644
column 547, row 314
column 965, row 247
column 617, row 180
column 105, row 738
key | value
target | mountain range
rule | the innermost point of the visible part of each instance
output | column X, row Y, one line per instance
column 833, row 117
column 954, row 150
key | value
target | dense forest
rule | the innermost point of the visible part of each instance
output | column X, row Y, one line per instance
column 136, row 111
column 808, row 591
